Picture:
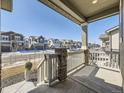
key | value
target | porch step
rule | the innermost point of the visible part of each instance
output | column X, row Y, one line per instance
column 99, row 88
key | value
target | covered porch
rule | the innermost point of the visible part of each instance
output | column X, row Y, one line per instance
column 83, row 12
column 82, row 76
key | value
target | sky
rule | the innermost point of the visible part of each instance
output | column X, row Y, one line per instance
column 30, row 17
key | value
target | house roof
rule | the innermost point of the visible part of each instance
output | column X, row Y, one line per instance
column 104, row 37
column 11, row 33
column 112, row 29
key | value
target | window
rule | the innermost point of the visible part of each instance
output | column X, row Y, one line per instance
column 17, row 38
column 5, row 38
column 103, row 59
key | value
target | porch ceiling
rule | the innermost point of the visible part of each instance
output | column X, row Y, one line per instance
column 80, row 11
column 6, row 5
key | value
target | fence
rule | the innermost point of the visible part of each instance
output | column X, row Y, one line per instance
column 9, row 59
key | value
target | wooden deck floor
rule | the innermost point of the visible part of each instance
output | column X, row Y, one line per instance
column 68, row 86
column 89, row 79
column 99, row 79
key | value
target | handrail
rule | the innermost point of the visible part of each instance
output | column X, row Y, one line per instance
column 75, row 52
column 47, row 69
column 41, row 63
column 42, row 60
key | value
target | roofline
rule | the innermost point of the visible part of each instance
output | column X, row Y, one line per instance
column 6, row 5
column 109, row 31
column 104, row 37
column 112, row 29
column 11, row 32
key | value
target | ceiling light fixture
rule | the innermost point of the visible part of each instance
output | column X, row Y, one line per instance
column 94, row 1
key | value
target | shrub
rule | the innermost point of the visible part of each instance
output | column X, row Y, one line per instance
column 28, row 65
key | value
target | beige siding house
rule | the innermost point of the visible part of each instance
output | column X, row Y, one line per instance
column 114, row 38
column 110, row 40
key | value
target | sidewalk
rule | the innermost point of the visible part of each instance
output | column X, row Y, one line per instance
column 21, row 87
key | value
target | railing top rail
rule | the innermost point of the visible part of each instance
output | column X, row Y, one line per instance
column 45, row 58
column 54, row 55
column 75, row 52
column 41, row 63
column 51, row 54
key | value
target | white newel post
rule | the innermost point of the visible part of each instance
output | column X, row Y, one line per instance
column 27, row 75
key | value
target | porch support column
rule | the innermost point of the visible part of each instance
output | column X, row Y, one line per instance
column 84, row 36
column 122, row 39
column 85, row 41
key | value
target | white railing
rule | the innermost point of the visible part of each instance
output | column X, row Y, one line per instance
column 48, row 68
column 52, row 67
column 40, row 71
column 104, row 59
column 74, row 59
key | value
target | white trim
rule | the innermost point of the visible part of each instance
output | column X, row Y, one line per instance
column 84, row 24
column 84, row 47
